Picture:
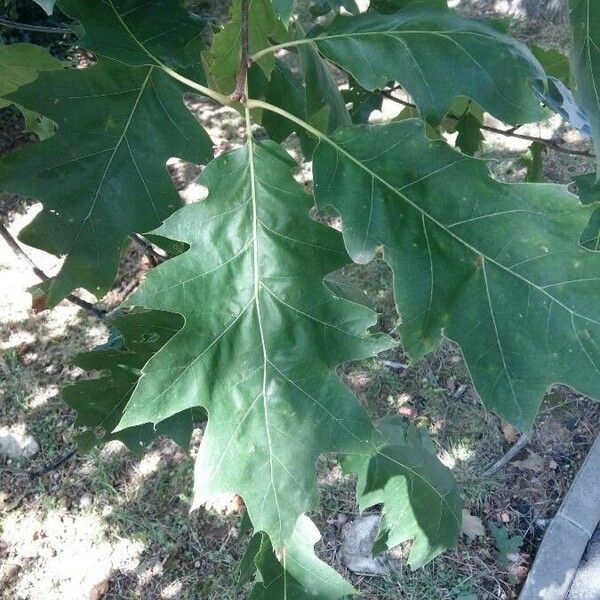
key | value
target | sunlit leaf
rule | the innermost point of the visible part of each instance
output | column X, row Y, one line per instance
column 261, row 339
column 436, row 56
column 495, row 267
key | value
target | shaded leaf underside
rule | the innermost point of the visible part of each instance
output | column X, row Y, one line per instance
column 100, row 402
column 103, row 175
column 419, row 495
column 299, row 575
column 415, row 47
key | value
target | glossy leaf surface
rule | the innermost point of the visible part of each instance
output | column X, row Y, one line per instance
column 261, row 339
column 495, row 267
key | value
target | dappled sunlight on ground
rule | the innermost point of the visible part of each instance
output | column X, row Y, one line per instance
column 61, row 554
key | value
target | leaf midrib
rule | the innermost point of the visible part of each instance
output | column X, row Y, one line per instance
column 109, row 163
column 257, row 284
column 256, row 298
column 266, row 361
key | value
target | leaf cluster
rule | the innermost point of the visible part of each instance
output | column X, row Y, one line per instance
column 245, row 325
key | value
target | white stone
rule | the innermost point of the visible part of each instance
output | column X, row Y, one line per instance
column 14, row 444
column 357, row 547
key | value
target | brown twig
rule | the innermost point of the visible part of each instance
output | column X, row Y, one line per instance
column 14, row 246
column 512, row 453
column 239, row 93
column 32, row 473
column 28, row 27
column 506, row 132
column 53, row 465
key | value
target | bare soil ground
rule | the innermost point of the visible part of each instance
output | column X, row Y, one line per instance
column 115, row 526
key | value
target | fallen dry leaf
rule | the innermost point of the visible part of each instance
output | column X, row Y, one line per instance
column 511, row 434
column 534, row 462
column 472, row 526
column 519, row 572
column 99, row 590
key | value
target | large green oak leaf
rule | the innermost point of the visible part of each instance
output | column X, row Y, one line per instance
column 436, row 56
column 261, row 339
column 495, row 267
column 103, row 175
